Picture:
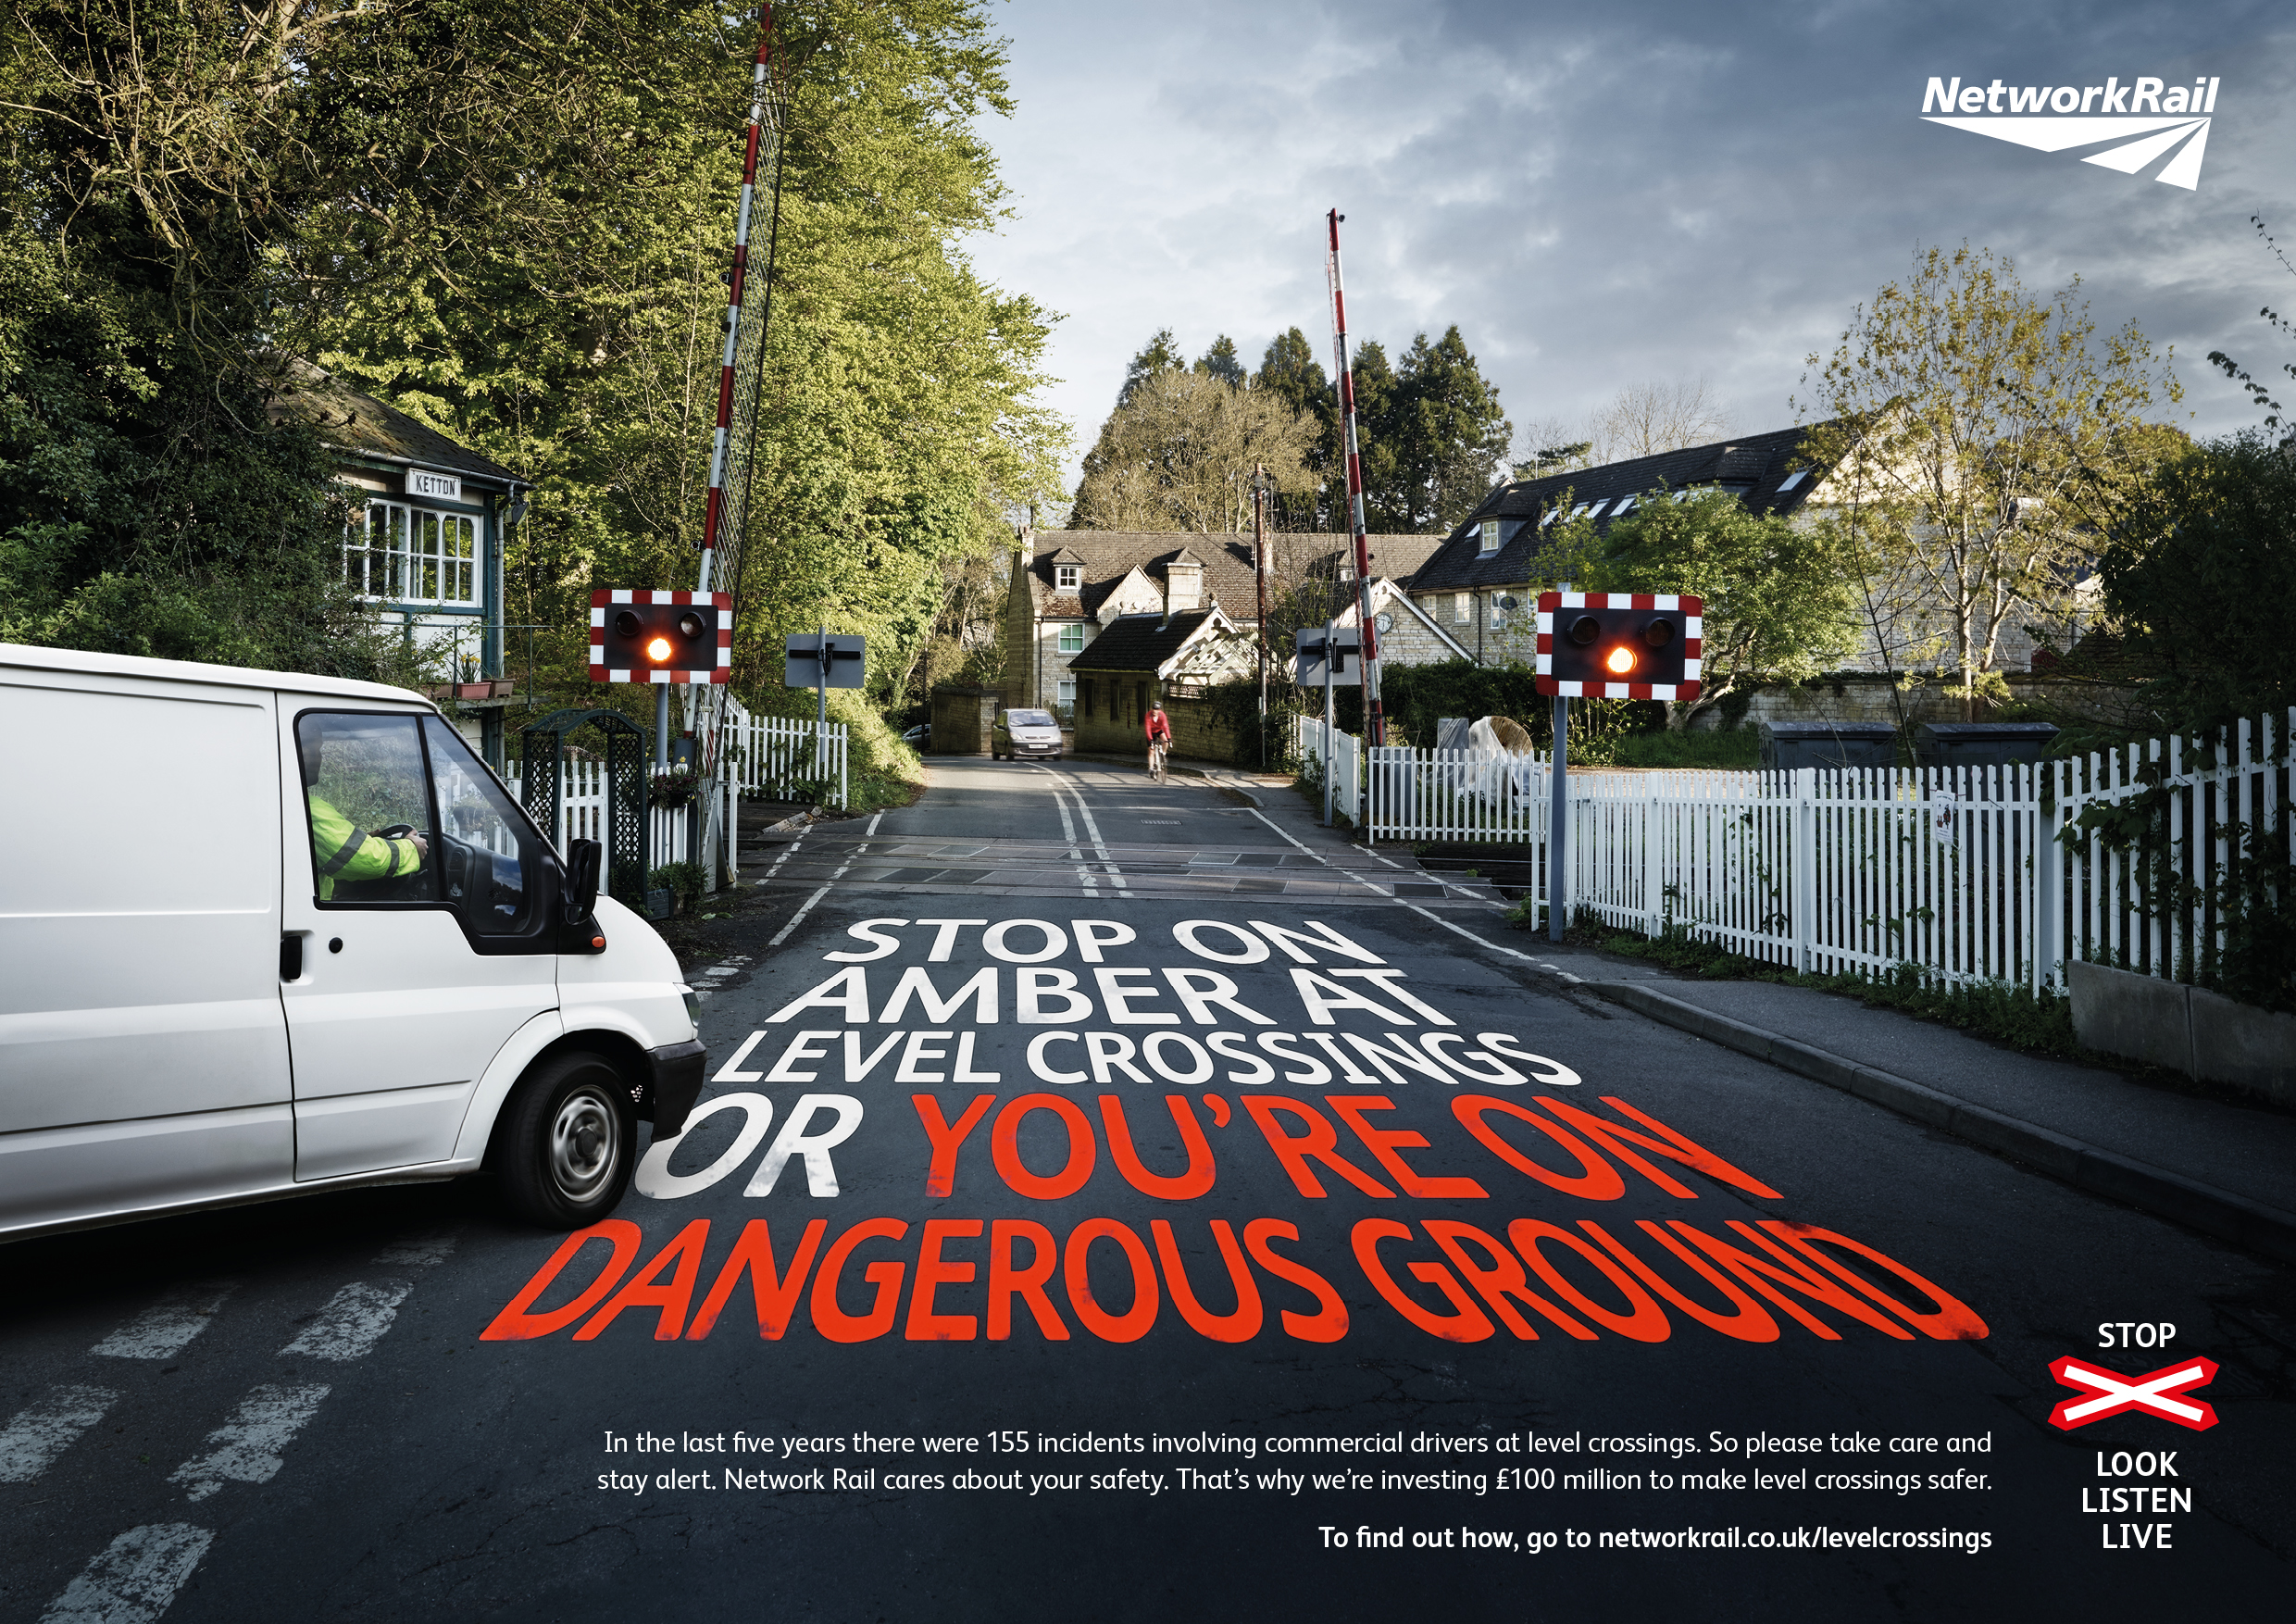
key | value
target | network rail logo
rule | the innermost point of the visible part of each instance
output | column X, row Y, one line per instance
column 2143, row 119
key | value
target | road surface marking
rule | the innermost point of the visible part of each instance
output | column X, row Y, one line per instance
column 167, row 1328
column 871, row 832
column 352, row 1322
column 799, row 915
column 132, row 1580
column 245, row 1449
column 31, row 1442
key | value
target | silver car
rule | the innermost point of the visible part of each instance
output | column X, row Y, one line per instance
column 1015, row 733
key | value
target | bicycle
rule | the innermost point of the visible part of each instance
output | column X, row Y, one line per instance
column 1155, row 762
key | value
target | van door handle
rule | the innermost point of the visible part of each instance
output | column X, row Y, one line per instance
column 291, row 956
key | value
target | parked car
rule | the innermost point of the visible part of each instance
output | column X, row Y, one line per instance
column 288, row 933
column 1015, row 733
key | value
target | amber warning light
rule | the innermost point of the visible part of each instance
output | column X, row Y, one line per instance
column 1621, row 661
column 658, row 649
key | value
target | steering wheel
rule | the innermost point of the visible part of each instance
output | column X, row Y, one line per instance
column 398, row 832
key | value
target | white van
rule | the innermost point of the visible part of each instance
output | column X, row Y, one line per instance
column 264, row 934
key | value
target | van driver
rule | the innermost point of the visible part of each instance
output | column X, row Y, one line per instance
column 341, row 850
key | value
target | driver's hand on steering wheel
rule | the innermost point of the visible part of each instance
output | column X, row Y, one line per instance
column 422, row 847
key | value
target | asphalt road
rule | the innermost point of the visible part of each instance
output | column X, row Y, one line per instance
column 1151, row 1209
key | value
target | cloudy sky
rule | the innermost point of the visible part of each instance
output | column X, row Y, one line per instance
column 1604, row 195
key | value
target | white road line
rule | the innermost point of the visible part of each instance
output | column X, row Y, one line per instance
column 1092, row 829
column 167, row 1328
column 245, row 1449
column 353, row 1321
column 871, row 832
column 32, row 1440
column 788, row 852
column 422, row 1251
column 1068, row 833
column 799, row 915
column 132, row 1580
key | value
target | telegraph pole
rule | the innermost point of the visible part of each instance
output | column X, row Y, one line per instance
column 1259, row 575
column 1375, row 718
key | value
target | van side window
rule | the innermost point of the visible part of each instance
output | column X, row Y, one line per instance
column 368, row 800
column 490, row 860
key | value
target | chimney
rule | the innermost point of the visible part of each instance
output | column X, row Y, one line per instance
column 1183, row 583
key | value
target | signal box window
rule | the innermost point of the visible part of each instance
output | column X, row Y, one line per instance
column 408, row 555
column 366, row 800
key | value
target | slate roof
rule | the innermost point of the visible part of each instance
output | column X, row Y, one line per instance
column 1754, row 464
column 1107, row 556
column 360, row 424
column 1140, row 643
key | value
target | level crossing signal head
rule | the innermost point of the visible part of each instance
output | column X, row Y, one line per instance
column 641, row 636
column 1620, row 646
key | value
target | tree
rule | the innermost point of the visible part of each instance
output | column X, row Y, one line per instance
column 1977, row 443
column 1447, row 436
column 512, row 223
column 1644, row 419
column 2199, row 583
column 1159, row 355
column 1779, row 606
column 2262, row 393
column 1290, row 370
column 1179, row 456
column 1221, row 362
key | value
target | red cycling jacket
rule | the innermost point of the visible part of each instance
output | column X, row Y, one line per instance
column 1160, row 728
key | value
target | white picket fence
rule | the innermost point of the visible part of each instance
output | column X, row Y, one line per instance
column 1308, row 745
column 773, row 754
column 671, row 832
column 2153, row 900
column 1966, row 873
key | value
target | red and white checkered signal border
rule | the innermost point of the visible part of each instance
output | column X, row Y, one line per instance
column 1691, row 609
column 605, row 597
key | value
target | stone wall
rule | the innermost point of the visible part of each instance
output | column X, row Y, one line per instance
column 1869, row 696
column 961, row 716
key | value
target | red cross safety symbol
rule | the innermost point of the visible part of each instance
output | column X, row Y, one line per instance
column 2109, row 1392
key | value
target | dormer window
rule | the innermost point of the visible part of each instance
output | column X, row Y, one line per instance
column 1487, row 538
column 1067, row 577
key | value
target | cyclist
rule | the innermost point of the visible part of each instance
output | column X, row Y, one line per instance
column 1160, row 728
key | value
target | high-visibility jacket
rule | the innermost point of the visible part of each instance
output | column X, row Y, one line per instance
column 341, row 850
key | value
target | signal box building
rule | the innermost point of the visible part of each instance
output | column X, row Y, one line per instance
column 425, row 542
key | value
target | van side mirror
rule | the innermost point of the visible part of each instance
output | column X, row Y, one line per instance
column 583, row 860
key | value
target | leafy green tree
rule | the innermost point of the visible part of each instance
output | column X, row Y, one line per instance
column 2262, row 393
column 512, row 223
column 2200, row 583
column 1976, row 441
column 1779, row 606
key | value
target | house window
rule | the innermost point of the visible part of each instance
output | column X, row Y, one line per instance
column 1793, row 479
column 1487, row 542
column 1626, row 505
column 1072, row 640
column 1067, row 577
column 1462, row 607
column 408, row 555
column 1086, row 699
column 1065, row 696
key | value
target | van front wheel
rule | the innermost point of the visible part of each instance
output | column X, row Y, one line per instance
column 570, row 1143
